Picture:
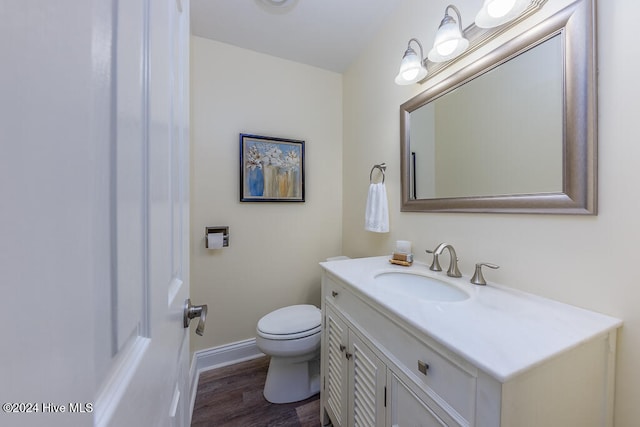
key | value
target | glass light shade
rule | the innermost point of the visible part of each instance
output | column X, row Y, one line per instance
column 449, row 42
column 499, row 8
column 498, row 12
column 447, row 39
column 411, row 68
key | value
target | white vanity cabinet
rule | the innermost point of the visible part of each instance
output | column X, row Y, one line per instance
column 379, row 369
column 361, row 385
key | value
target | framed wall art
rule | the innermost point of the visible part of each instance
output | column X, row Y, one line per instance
column 271, row 169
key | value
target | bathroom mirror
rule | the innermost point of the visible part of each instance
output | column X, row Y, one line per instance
column 513, row 132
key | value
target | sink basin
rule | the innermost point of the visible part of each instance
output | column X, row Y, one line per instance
column 419, row 286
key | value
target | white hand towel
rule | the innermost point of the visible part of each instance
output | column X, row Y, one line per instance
column 376, row 217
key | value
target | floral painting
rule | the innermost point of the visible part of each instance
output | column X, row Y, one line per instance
column 271, row 169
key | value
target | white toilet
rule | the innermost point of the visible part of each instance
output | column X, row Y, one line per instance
column 291, row 336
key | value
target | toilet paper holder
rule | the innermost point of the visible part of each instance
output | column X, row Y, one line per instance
column 218, row 229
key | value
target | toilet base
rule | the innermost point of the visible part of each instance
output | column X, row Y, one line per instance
column 291, row 381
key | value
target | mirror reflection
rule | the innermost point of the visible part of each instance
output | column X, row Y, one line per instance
column 499, row 134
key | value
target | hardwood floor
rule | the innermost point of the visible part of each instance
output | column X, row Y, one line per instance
column 232, row 397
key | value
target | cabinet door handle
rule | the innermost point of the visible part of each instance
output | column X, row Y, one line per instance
column 348, row 356
column 423, row 367
column 334, row 294
column 342, row 348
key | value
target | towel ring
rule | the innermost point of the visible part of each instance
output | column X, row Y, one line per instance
column 382, row 167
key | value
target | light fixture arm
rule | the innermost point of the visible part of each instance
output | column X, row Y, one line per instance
column 457, row 12
column 419, row 45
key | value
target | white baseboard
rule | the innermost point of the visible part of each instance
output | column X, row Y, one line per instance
column 217, row 357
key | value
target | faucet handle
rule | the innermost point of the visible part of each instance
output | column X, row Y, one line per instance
column 478, row 278
column 435, row 264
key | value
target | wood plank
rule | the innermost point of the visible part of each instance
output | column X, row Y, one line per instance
column 232, row 397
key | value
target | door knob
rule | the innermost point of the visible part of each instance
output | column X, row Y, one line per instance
column 193, row 311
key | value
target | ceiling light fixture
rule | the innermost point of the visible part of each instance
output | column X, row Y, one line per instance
column 277, row 7
column 276, row 3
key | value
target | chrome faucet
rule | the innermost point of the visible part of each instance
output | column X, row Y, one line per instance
column 453, row 259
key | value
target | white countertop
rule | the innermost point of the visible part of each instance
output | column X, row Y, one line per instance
column 500, row 330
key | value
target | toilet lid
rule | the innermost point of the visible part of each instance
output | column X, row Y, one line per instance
column 291, row 320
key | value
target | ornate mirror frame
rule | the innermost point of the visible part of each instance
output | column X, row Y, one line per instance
column 576, row 26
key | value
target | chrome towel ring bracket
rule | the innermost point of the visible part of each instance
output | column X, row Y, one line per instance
column 382, row 167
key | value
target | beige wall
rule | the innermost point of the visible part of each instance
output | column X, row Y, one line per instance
column 272, row 260
column 586, row 261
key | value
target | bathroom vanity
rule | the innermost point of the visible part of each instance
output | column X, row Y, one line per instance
column 405, row 346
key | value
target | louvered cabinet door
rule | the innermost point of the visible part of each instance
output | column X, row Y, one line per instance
column 367, row 381
column 336, row 368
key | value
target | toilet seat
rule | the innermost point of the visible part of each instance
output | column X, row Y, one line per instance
column 292, row 322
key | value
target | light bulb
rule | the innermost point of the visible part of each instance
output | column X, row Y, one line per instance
column 499, row 8
column 446, row 48
column 410, row 74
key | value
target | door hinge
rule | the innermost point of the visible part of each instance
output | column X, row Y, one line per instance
column 324, row 383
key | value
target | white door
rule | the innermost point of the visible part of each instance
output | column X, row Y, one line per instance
column 94, row 216
column 147, row 382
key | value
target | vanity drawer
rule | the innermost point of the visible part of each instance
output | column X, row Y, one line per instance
column 333, row 291
column 452, row 381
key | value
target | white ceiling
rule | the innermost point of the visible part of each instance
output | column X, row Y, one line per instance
column 328, row 34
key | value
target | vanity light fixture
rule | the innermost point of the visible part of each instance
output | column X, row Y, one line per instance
column 498, row 12
column 450, row 41
column 412, row 68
